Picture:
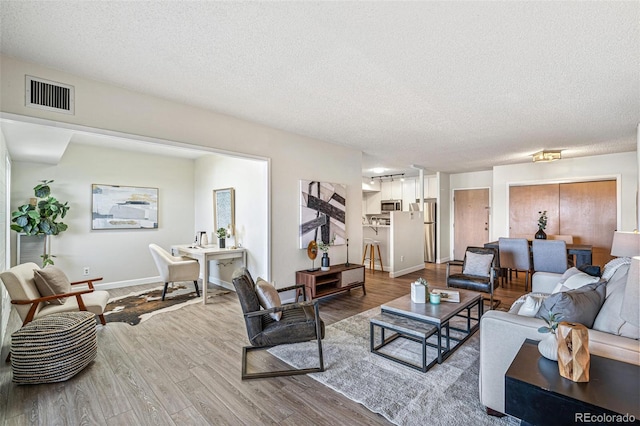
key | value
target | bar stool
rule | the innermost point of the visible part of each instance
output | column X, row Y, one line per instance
column 370, row 245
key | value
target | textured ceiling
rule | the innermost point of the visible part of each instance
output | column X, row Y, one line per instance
column 450, row 86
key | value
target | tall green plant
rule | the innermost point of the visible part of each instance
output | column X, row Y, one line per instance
column 40, row 217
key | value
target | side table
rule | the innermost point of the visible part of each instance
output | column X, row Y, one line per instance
column 536, row 393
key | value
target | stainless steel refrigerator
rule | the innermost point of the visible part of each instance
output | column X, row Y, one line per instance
column 429, row 229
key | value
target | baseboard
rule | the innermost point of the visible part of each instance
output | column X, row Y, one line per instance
column 406, row 271
column 128, row 283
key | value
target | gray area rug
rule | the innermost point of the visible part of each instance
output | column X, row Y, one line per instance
column 447, row 394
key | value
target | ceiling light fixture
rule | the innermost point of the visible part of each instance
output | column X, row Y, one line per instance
column 546, row 156
column 372, row 181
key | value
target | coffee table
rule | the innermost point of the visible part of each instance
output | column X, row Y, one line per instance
column 426, row 324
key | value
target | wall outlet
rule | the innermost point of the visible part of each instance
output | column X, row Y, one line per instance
column 401, row 258
column 85, row 271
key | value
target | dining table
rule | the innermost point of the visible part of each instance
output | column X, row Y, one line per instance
column 582, row 252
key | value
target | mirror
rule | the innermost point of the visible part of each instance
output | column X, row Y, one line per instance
column 224, row 209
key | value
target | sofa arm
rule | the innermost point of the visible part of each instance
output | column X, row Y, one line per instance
column 501, row 335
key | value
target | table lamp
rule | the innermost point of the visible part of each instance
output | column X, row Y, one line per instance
column 625, row 244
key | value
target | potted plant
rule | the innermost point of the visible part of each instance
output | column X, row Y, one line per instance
column 325, row 265
column 222, row 235
column 40, row 217
column 542, row 225
column 548, row 346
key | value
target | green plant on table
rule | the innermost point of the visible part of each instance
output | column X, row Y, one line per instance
column 222, row 233
column 542, row 220
column 552, row 320
column 40, row 217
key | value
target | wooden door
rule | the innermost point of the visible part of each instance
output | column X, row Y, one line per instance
column 588, row 211
column 524, row 204
column 470, row 219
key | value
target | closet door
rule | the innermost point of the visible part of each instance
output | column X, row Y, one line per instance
column 524, row 204
column 588, row 211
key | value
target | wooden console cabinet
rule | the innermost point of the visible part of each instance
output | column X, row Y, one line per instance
column 338, row 278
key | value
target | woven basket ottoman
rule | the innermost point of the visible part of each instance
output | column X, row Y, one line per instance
column 53, row 348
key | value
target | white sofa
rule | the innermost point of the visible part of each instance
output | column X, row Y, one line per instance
column 502, row 334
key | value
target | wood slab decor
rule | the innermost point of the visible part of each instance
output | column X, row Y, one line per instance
column 573, row 351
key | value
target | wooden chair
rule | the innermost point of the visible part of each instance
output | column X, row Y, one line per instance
column 300, row 322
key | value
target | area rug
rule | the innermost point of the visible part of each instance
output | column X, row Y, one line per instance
column 138, row 307
column 447, row 394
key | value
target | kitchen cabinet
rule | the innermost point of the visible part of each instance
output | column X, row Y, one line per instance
column 391, row 190
column 372, row 202
column 408, row 193
column 430, row 187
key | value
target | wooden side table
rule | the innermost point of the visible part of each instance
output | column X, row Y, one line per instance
column 338, row 278
column 536, row 393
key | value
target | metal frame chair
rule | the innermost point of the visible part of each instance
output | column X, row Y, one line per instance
column 485, row 284
column 300, row 322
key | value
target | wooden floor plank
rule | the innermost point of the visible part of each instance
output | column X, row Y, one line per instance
column 183, row 367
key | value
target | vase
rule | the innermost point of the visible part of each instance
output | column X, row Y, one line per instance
column 541, row 235
column 204, row 240
column 221, row 242
column 325, row 262
column 548, row 347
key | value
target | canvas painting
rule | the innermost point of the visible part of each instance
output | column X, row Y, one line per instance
column 124, row 207
column 322, row 212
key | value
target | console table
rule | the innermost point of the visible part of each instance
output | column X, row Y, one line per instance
column 338, row 278
column 536, row 393
column 204, row 255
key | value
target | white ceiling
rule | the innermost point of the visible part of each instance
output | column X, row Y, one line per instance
column 450, row 86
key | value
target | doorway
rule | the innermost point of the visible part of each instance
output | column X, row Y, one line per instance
column 470, row 219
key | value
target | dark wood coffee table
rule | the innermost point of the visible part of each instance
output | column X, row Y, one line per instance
column 420, row 321
column 537, row 394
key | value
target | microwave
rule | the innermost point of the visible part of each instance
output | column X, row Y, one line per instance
column 391, row 205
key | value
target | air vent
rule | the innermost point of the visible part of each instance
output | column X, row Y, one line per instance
column 49, row 95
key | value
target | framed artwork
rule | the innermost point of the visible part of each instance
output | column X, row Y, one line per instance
column 224, row 209
column 322, row 212
column 123, row 207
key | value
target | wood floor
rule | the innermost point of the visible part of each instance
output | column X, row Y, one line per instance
column 183, row 367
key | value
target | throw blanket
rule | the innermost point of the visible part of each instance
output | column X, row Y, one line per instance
column 612, row 266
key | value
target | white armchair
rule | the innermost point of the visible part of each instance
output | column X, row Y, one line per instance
column 173, row 268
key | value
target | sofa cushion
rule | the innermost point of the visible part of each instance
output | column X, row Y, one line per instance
column 268, row 297
column 574, row 281
column 52, row 280
column 580, row 305
column 608, row 319
column 531, row 304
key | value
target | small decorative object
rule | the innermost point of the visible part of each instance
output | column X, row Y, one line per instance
column 548, row 346
column 325, row 256
column 419, row 290
column 434, row 298
column 573, row 351
column 204, row 239
column 542, row 225
column 325, row 261
column 222, row 235
column 312, row 252
column 347, row 262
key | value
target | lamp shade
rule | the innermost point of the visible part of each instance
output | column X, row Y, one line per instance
column 631, row 305
column 625, row 244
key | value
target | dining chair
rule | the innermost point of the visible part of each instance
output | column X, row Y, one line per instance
column 515, row 256
column 567, row 239
column 549, row 256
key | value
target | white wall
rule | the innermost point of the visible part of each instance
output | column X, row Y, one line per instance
column 444, row 219
column 407, row 243
column 293, row 157
column 120, row 256
column 250, row 180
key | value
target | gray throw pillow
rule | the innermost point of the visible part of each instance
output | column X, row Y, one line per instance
column 477, row 264
column 50, row 281
column 268, row 297
column 580, row 305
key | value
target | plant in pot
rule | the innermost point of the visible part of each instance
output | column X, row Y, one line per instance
column 40, row 217
column 325, row 261
column 222, row 235
column 542, row 225
column 548, row 346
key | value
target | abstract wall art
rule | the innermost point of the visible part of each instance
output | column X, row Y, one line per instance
column 123, row 207
column 322, row 212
